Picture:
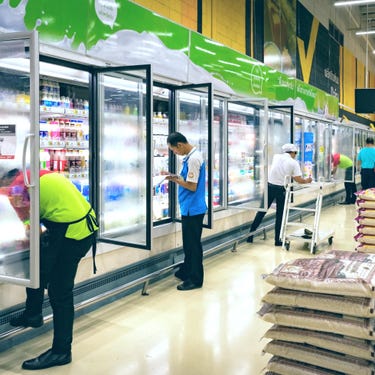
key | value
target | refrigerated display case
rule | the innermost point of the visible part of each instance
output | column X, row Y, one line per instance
column 51, row 128
column 19, row 203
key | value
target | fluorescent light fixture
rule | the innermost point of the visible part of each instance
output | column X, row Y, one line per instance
column 365, row 32
column 354, row 2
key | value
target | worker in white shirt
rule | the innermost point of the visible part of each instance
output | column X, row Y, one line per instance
column 282, row 165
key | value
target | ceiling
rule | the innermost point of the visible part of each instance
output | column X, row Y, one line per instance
column 359, row 18
column 367, row 17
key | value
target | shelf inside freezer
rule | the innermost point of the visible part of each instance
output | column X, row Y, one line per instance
column 15, row 264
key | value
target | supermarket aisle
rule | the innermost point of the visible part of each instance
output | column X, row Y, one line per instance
column 214, row 330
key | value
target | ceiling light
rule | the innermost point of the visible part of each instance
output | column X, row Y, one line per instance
column 354, row 2
column 365, row 32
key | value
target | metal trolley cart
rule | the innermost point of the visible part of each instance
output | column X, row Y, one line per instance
column 306, row 233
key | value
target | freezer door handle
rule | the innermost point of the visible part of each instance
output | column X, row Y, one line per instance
column 25, row 177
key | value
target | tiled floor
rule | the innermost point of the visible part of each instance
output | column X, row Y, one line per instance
column 210, row 331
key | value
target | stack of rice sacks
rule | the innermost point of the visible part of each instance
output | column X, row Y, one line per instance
column 366, row 221
column 323, row 315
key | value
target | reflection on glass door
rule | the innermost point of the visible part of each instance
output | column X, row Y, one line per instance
column 279, row 129
column 124, row 122
column 218, row 140
column 323, row 148
column 160, row 131
column 194, row 120
column 246, row 158
column 19, row 200
column 305, row 138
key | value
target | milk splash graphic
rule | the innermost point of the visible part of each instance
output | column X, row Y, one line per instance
column 106, row 10
column 11, row 18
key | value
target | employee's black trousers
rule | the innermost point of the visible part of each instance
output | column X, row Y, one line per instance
column 275, row 192
column 367, row 178
column 59, row 258
column 350, row 187
column 191, row 239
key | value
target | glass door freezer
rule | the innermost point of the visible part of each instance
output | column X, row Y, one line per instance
column 122, row 172
column 19, row 169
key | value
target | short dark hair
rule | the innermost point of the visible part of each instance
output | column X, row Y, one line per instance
column 370, row 141
column 11, row 174
column 175, row 138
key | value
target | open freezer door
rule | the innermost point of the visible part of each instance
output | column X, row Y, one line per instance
column 247, row 157
column 19, row 163
column 193, row 118
column 123, row 164
column 343, row 158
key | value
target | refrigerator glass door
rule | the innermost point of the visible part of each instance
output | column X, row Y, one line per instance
column 219, row 155
column 247, row 159
column 343, row 144
column 194, row 120
column 19, row 138
column 323, row 147
column 305, row 138
column 160, row 131
column 280, row 126
column 124, row 108
column 280, row 120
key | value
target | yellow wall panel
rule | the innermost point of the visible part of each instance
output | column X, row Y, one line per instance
column 371, row 82
column 207, row 18
column 228, row 23
column 189, row 10
column 183, row 12
column 349, row 78
column 361, row 77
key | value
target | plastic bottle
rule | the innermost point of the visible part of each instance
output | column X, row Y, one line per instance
column 44, row 159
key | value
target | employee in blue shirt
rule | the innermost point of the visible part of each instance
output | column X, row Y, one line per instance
column 191, row 195
column 366, row 162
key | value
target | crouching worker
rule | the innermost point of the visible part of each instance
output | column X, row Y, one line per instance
column 71, row 229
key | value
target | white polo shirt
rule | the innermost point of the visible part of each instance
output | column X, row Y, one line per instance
column 283, row 165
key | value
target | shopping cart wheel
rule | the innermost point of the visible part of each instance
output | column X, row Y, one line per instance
column 287, row 246
column 330, row 240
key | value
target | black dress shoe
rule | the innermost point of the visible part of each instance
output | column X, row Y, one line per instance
column 278, row 243
column 249, row 239
column 23, row 320
column 188, row 285
column 46, row 360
